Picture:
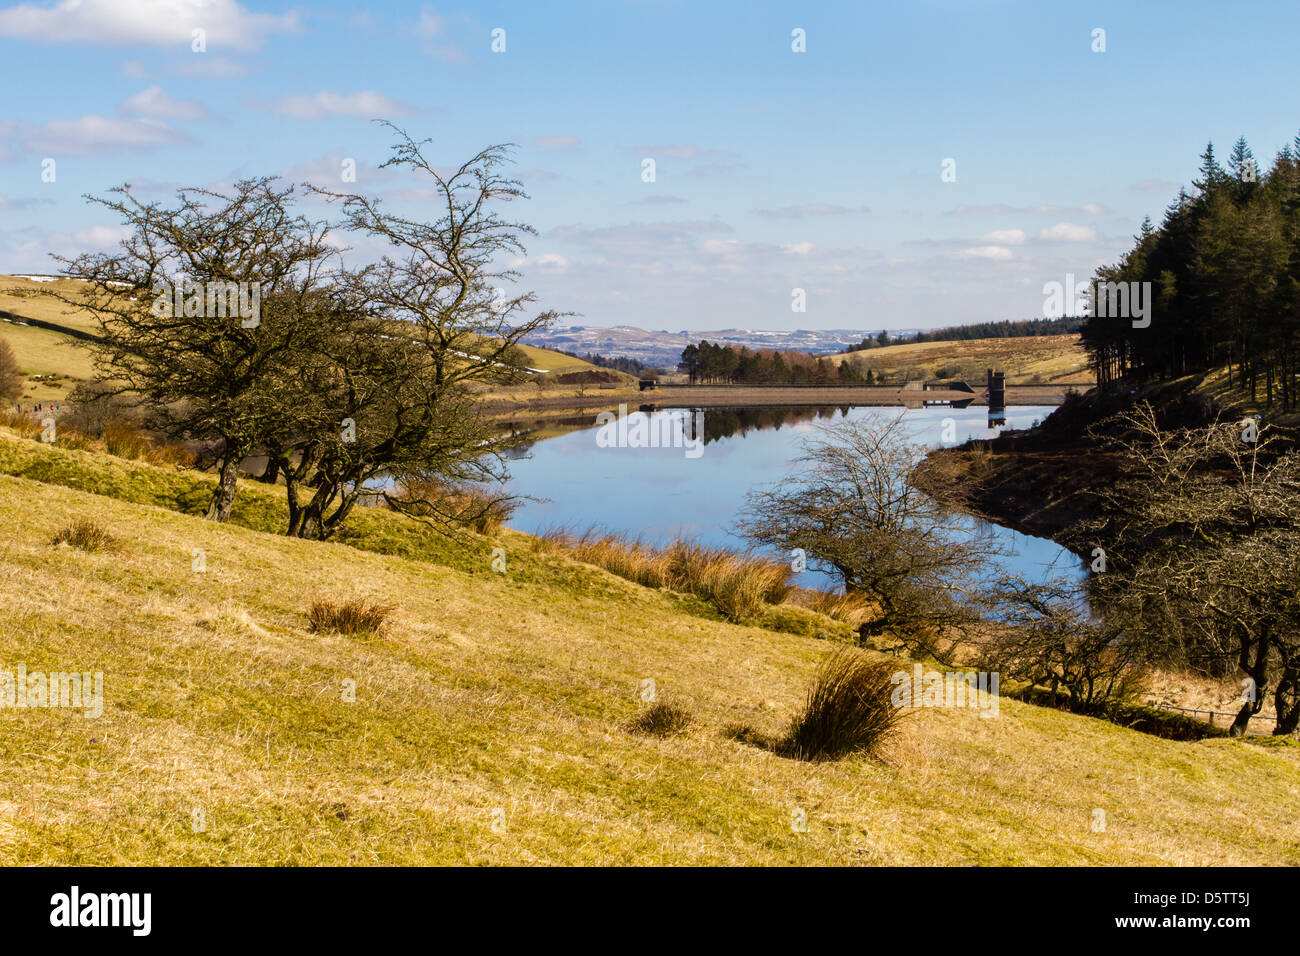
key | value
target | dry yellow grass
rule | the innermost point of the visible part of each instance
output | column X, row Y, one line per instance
column 488, row 725
column 1050, row 359
column 739, row 585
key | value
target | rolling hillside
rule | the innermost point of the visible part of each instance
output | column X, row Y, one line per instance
column 45, row 352
column 1047, row 359
column 489, row 725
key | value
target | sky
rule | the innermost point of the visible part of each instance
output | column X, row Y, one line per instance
column 775, row 169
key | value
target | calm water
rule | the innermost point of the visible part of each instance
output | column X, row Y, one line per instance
column 658, row 493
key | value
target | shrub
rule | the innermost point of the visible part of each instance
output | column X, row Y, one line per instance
column 848, row 709
column 86, row 535
column 465, row 504
column 661, row 719
column 355, row 618
column 125, row 440
column 12, row 379
column 22, row 423
column 851, row 607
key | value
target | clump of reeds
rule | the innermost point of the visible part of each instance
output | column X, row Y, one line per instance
column 661, row 719
column 86, row 535
column 849, row 709
column 355, row 618
column 738, row 585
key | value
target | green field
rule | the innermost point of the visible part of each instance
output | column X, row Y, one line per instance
column 489, row 723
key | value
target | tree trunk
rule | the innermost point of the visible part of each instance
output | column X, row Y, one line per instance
column 1258, row 672
column 272, row 471
column 1286, row 701
column 223, row 498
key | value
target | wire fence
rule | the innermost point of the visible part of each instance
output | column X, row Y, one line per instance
column 1196, row 712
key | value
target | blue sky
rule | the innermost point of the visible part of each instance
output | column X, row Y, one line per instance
column 775, row 170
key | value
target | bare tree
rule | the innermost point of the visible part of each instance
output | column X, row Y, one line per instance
column 852, row 508
column 1046, row 634
column 1204, row 537
column 394, row 405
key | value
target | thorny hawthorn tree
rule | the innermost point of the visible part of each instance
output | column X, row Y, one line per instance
column 1045, row 633
column 214, row 369
column 394, row 401
column 1206, row 550
column 852, row 507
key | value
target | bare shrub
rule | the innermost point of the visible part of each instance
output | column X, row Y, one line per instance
column 466, row 505
column 12, row 379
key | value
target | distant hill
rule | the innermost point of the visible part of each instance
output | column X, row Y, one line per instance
column 56, row 355
column 1049, row 359
column 664, row 349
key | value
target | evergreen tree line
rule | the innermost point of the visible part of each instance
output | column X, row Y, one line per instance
column 1005, row 329
column 617, row 362
column 1224, row 274
column 708, row 362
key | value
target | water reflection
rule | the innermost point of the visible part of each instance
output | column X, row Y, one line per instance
column 658, row 493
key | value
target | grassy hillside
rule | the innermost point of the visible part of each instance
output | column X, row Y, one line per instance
column 549, row 361
column 45, row 352
column 489, row 724
column 1050, row 359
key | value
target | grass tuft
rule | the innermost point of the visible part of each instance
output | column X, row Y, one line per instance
column 738, row 585
column 661, row 719
column 355, row 618
column 86, row 535
column 848, row 709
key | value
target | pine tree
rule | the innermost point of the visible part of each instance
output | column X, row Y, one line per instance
column 1212, row 174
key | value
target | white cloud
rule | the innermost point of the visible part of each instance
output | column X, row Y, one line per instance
column 721, row 247
column 93, row 135
column 807, row 210
column 429, row 24
column 154, row 101
column 366, row 104
column 797, row 248
column 998, row 253
column 160, row 22
column 1005, row 237
column 1094, row 209
column 134, row 69
column 548, row 260
column 101, row 236
column 1068, row 232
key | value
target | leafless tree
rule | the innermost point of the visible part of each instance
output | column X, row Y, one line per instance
column 447, row 321
column 852, row 508
column 1204, row 537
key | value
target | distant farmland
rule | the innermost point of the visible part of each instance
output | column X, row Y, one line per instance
column 1045, row 359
